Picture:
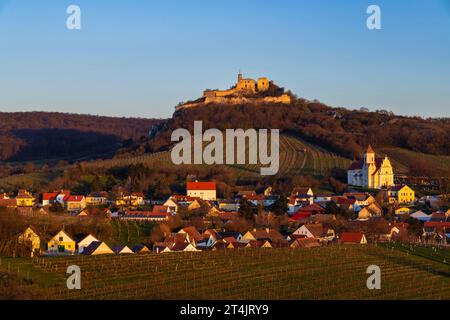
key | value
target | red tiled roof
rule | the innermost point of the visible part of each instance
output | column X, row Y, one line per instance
column 74, row 198
column 8, row 202
column 432, row 224
column 160, row 209
column 49, row 195
column 228, row 215
column 201, row 186
column 352, row 237
column 342, row 200
column 313, row 208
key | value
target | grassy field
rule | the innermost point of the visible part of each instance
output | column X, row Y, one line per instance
column 337, row 272
column 440, row 254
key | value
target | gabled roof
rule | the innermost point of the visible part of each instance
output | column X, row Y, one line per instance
column 160, row 209
column 74, row 198
column 49, row 196
column 121, row 249
column 370, row 149
column 90, row 249
column 266, row 234
column 201, row 186
column 192, row 232
column 300, row 191
column 140, row 248
column 352, row 237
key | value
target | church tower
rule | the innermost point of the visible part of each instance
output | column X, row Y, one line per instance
column 369, row 156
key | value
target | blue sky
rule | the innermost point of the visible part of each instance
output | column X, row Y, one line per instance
column 140, row 58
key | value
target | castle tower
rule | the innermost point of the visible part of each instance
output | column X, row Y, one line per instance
column 239, row 76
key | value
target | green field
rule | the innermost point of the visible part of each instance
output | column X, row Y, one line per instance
column 337, row 272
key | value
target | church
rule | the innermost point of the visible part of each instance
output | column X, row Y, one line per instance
column 371, row 172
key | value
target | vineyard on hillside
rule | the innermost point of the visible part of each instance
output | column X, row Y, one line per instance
column 404, row 159
column 336, row 272
column 297, row 157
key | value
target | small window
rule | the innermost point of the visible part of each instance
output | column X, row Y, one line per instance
column 61, row 239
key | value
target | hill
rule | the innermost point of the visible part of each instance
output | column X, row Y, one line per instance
column 346, row 132
column 51, row 136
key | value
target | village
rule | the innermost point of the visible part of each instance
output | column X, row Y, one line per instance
column 301, row 219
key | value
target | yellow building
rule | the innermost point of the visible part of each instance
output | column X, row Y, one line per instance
column 24, row 199
column 61, row 243
column 401, row 194
column 96, row 198
column 75, row 203
column 31, row 238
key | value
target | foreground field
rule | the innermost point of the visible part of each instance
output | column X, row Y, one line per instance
column 325, row 273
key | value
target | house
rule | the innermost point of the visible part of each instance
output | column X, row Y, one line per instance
column 122, row 250
column 301, row 196
column 210, row 236
column 24, row 198
column 421, row 216
column 192, row 235
column 398, row 230
column 301, row 191
column 97, row 248
column 268, row 191
column 401, row 194
column 85, row 241
column 161, row 247
column 322, row 198
column 60, row 198
column 243, row 194
column 228, row 205
column 61, row 243
column 49, row 198
column 172, row 204
column 183, row 200
column 263, row 235
column 134, row 199
column 31, row 238
column 256, row 200
column 183, row 247
column 226, row 217
column 316, row 231
column 227, row 234
column 371, row 172
column 353, row 238
column 140, row 249
column 202, row 190
column 402, row 210
column 346, row 203
column 308, row 211
column 145, row 216
column 8, row 203
column 304, row 243
column 74, row 203
column 97, row 198
column 199, row 204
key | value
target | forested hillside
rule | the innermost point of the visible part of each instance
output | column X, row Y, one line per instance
column 26, row 136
